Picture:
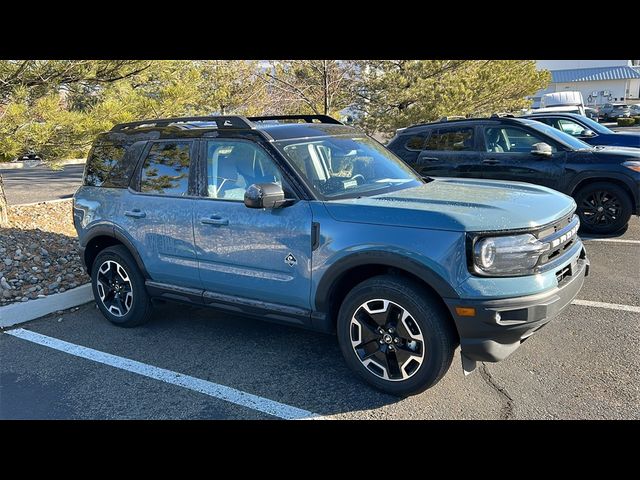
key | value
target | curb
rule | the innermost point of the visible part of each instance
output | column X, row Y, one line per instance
column 55, row 200
column 20, row 312
column 37, row 163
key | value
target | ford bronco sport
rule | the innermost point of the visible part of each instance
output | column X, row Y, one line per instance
column 306, row 221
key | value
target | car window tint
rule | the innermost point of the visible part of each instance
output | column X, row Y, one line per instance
column 102, row 160
column 548, row 121
column 166, row 169
column 232, row 166
column 571, row 127
column 415, row 142
column 511, row 140
column 456, row 139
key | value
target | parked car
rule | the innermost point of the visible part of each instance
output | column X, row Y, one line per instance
column 588, row 130
column 316, row 225
column 634, row 109
column 559, row 109
column 564, row 99
column 591, row 113
column 27, row 155
column 613, row 111
column 604, row 181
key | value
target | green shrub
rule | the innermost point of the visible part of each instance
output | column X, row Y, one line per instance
column 626, row 122
column 637, row 119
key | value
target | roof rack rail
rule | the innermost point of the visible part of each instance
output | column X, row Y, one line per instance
column 452, row 117
column 306, row 118
column 225, row 121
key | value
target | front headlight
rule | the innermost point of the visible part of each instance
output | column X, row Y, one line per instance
column 508, row 255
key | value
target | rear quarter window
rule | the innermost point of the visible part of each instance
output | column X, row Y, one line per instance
column 109, row 166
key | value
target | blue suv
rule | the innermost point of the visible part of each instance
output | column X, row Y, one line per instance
column 587, row 130
column 304, row 221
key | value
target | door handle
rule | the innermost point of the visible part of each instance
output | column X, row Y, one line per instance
column 135, row 213
column 214, row 220
column 490, row 161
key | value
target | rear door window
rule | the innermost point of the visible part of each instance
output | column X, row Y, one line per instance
column 552, row 122
column 451, row 139
column 416, row 143
column 571, row 127
column 166, row 169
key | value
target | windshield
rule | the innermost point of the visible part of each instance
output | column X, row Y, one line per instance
column 561, row 137
column 595, row 126
column 345, row 167
column 620, row 107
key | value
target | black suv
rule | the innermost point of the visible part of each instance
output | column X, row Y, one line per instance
column 604, row 181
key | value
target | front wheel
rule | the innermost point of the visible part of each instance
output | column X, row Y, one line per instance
column 603, row 208
column 396, row 335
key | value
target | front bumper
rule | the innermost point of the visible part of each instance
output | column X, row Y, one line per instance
column 500, row 326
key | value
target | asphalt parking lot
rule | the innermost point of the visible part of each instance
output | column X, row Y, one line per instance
column 39, row 184
column 190, row 363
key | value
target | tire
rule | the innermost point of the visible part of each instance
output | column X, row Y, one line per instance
column 603, row 208
column 439, row 338
column 117, row 264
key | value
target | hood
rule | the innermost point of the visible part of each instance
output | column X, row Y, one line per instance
column 627, row 152
column 458, row 204
column 629, row 134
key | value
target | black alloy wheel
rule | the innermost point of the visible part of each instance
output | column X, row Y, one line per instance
column 387, row 340
column 396, row 334
column 603, row 208
column 119, row 288
column 114, row 288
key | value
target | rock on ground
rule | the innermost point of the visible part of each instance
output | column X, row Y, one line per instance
column 39, row 253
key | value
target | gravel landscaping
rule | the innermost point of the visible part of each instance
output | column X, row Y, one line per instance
column 39, row 252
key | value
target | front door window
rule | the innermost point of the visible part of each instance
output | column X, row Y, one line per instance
column 510, row 140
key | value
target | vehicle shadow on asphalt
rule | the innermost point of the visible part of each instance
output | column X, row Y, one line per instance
column 282, row 363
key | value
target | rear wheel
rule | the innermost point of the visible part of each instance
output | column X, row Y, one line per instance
column 118, row 287
column 396, row 335
column 603, row 208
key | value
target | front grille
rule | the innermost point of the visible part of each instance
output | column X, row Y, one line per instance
column 560, row 236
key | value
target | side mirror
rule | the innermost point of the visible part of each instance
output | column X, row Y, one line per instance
column 588, row 133
column 542, row 149
column 264, row 195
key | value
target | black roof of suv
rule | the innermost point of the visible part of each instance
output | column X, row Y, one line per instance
column 275, row 127
column 499, row 118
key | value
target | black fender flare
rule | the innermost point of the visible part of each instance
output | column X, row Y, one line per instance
column 369, row 257
column 113, row 232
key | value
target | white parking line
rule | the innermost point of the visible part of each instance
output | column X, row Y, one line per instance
column 215, row 390
column 611, row 306
column 613, row 240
